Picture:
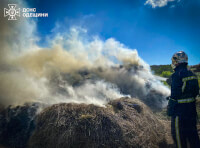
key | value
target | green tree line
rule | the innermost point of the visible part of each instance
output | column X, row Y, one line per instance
column 162, row 70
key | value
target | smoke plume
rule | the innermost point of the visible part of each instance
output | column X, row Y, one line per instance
column 73, row 68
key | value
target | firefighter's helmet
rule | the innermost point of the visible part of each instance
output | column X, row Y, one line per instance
column 179, row 57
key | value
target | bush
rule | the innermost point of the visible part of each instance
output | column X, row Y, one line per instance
column 166, row 74
column 158, row 69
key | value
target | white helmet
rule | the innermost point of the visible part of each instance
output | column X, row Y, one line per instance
column 179, row 57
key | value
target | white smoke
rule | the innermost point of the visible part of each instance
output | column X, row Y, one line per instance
column 75, row 68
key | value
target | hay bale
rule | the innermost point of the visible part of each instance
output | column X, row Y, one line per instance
column 123, row 123
column 17, row 124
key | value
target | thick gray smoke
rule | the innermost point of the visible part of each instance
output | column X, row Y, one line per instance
column 74, row 68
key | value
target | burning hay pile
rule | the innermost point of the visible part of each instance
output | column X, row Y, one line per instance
column 123, row 123
column 75, row 68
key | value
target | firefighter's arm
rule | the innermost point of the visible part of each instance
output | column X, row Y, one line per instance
column 176, row 91
column 176, row 87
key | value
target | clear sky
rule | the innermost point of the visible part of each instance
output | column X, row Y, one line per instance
column 156, row 28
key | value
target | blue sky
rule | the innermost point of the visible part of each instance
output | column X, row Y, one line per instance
column 156, row 29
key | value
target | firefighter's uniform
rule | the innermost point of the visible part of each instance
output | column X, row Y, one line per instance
column 182, row 107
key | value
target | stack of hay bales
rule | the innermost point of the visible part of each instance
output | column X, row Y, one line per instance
column 122, row 123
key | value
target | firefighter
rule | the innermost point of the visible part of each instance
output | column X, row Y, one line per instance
column 182, row 103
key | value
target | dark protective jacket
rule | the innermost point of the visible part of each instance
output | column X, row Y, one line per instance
column 184, row 89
